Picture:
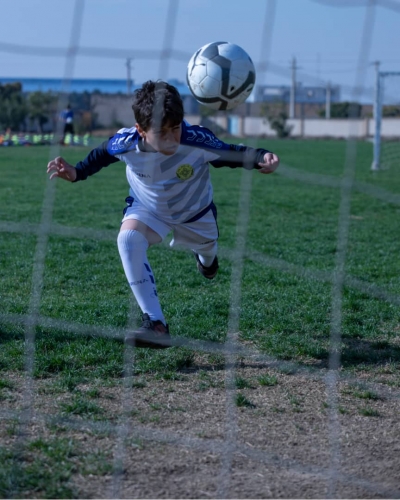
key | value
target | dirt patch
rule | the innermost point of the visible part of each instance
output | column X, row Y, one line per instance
column 184, row 439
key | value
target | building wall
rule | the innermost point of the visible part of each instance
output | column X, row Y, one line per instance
column 112, row 111
column 389, row 127
column 116, row 111
column 336, row 128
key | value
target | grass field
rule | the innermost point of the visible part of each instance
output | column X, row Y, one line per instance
column 285, row 301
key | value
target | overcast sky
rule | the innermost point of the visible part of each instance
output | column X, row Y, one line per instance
column 336, row 42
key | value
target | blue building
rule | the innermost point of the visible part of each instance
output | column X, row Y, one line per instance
column 79, row 85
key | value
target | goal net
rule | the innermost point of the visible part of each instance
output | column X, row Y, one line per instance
column 284, row 370
column 386, row 120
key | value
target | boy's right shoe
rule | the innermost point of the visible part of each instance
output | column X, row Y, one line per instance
column 152, row 334
column 208, row 272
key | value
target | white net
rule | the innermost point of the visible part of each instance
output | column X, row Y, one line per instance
column 242, row 460
column 390, row 112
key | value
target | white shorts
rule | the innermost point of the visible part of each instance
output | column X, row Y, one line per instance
column 196, row 235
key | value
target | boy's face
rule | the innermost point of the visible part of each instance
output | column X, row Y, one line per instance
column 165, row 140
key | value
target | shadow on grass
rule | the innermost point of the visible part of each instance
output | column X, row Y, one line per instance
column 10, row 332
column 85, row 357
column 358, row 352
column 367, row 352
column 68, row 354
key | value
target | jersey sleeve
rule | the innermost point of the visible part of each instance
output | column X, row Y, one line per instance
column 222, row 154
column 95, row 161
column 240, row 156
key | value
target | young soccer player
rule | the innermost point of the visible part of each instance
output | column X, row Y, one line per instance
column 167, row 167
column 67, row 116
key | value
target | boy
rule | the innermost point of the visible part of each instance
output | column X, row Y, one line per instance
column 167, row 167
column 67, row 116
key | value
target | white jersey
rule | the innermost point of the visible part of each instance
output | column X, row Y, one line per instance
column 174, row 188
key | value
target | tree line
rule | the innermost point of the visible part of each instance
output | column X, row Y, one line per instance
column 22, row 111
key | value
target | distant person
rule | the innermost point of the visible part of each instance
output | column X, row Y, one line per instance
column 167, row 167
column 67, row 116
column 5, row 140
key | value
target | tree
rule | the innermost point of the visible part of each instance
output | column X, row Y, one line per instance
column 344, row 109
column 393, row 111
column 41, row 106
column 277, row 117
column 13, row 109
column 85, row 117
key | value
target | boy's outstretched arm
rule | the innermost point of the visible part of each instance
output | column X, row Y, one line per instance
column 235, row 156
column 60, row 168
column 94, row 161
column 229, row 155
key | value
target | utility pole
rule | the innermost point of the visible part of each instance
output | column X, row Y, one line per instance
column 292, row 110
column 128, row 78
column 328, row 101
column 377, row 118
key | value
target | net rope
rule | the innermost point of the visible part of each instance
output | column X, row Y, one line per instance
column 231, row 348
column 390, row 148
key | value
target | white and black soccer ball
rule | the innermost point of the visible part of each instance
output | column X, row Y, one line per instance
column 221, row 75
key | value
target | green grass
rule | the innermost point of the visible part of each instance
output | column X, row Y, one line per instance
column 45, row 467
column 242, row 402
column 361, row 393
column 81, row 406
column 267, row 380
column 283, row 314
column 47, row 476
column 242, row 383
column 369, row 412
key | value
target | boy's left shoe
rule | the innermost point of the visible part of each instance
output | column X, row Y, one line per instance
column 152, row 334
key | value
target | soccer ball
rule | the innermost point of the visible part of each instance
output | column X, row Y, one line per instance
column 221, row 75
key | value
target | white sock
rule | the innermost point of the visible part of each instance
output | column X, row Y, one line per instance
column 206, row 260
column 207, row 253
column 132, row 247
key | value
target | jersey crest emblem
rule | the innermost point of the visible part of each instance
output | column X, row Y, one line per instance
column 184, row 172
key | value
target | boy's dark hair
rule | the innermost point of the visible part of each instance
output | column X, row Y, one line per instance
column 157, row 104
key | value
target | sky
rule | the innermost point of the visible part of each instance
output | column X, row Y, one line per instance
column 334, row 41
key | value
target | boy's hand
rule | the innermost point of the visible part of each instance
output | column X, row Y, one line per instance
column 270, row 163
column 62, row 169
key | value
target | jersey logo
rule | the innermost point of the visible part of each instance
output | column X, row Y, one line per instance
column 185, row 171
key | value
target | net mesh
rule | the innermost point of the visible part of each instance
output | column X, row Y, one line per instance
column 232, row 349
column 390, row 148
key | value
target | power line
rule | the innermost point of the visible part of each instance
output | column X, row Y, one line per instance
column 388, row 4
column 104, row 52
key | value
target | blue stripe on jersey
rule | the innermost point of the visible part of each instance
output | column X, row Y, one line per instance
column 192, row 135
column 201, row 137
column 123, row 142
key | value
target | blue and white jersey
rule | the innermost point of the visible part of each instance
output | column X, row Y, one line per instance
column 177, row 187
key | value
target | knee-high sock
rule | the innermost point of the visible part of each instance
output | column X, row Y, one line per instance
column 132, row 247
column 207, row 253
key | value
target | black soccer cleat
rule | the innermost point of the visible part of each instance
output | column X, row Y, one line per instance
column 152, row 334
column 208, row 272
